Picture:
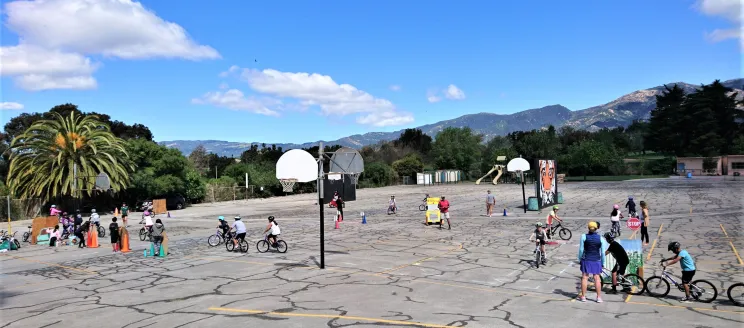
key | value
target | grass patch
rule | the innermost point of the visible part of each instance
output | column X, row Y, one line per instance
column 615, row 177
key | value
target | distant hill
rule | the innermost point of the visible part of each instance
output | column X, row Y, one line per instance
column 619, row 112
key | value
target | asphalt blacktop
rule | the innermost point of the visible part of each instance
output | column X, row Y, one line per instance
column 391, row 271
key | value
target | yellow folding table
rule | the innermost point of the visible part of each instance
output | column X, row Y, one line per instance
column 433, row 216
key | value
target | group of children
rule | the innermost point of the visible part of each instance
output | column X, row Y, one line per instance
column 240, row 230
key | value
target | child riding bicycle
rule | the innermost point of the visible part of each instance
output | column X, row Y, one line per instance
column 549, row 220
column 615, row 217
column 538, row 236
column 621, row 259
column 391, row 204
column 275, row 231
column 686, row 262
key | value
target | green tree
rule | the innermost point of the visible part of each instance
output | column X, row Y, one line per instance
column 666, row 119
column 160, row 171
column 377, row 174
column 414, row 139
column 457, row 148
column 591, row 156
column 50, row 153
column 408, row 166
column 195, row 186
column 199, row 158
column 537, row 144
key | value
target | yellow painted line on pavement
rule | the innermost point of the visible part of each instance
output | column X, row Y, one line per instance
column 658, row 234
column 733, row 248
column 330, row 316
column 687, row 307
column 51, row 264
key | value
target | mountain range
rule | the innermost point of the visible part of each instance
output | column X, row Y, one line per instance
column 619, row 112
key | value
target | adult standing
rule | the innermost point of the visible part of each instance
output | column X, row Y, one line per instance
column 80, row 232
column 646, row 222
column 490, row 203
column 591, row 259
column 444, row 209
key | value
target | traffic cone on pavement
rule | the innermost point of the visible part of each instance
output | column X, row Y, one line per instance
column 364, row 218
column 169, row 214
column 504, row 211
column 124, row 241
column 94, row 238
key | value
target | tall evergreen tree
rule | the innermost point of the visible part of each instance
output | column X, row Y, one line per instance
column 666, row 119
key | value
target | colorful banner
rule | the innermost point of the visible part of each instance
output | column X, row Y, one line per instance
column 635, row 254
column 547, row 185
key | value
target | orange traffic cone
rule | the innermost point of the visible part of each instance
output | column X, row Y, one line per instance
column 88, row 238
column 116, row 212
column 93, row 238
column 124, row 240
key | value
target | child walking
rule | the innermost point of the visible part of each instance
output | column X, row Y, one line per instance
column 114, row 228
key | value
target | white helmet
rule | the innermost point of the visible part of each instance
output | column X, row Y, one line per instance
column 93, row 210
column 54, row 206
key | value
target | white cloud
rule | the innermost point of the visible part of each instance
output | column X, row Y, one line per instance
column 313, row 89
column 395, row 87
column 57, row 35
column 235, row 99
column 10, row 106
column 454, row 93
column 730, row 10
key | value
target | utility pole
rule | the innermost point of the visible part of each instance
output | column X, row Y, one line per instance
column 10, row 230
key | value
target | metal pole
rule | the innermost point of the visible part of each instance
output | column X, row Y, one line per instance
column 215, row 171
column 524, row 197
column 320, row 205
column 10, row 230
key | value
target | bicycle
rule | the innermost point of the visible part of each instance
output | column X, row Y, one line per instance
column 392, row 210
column 145, row 234
column 615, row 229
column 4, row 235
column 627, row 281
column 216, row 239
column 564, row 233
column 27, row 235
column 263, row 245
column 736, row 293
column 698, row 288
column 423, row 206
column 539, row 256
column 230, row 245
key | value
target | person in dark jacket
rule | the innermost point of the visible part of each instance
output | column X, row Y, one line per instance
column 591, row 258
column 114, row 232
column 80, row 233
column 156, row 231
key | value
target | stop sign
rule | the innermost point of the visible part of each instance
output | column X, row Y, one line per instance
column 634, row 224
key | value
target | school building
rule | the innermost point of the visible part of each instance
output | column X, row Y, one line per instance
column 725, row 165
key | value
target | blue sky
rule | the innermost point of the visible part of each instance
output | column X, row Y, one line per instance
column 500, row 57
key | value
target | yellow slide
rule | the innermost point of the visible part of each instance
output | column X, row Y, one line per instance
column 499, row 168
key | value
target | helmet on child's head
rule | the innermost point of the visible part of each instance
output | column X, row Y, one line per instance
column 54, row 206
column 616, row 206
column 221, row 218
column 64, row 213
column 271, row 218
column 93, row 210
column 237, row 217
column 673, row 246
column 538, row 224
column 555, row 207
column 609, row 236
column 630, row 197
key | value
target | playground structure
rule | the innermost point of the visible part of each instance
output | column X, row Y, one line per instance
column 498, row 168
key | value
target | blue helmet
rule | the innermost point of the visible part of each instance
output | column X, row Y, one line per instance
column 630, row 197
column 221, row 218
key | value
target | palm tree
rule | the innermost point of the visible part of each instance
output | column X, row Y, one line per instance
column 45, row 157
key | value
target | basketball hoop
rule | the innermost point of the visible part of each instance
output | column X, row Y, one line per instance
column 288, row 184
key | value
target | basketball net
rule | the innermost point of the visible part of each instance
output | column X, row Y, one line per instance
column 288, row 184
column 355, row 177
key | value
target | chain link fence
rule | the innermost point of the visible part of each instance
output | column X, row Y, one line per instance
column 20, row 209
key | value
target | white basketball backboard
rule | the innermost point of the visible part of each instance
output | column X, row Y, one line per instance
column 297, row 164
column 518, row 164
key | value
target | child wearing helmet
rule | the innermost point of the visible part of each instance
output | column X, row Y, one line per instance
column 539, row 236
column 273, row 229
column 686, row 262
column 391, row 204
column 223, row 226
column 95, row 218
column 54, row 211
column 621, row 259
column 615, row 217
column 549, row 220
column 631, row 206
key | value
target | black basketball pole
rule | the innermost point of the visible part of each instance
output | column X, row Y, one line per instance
column 320, row 205
column 524, row 197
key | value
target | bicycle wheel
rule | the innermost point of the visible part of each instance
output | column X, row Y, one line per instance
column 703, row 291
column 26, row 235
column 17, row 243
column 538, row 255
column 229, row 245
column 422, row 207
column 657, row 286
column 281, row 246
column 736, row 294
column 633, row 282
column 243, row 246
column 262, row 246
column 214, row 240
column 143, row 234
column 101, row 231
column 564, row 233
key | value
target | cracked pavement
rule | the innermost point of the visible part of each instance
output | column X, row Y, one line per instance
column 393, row 271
